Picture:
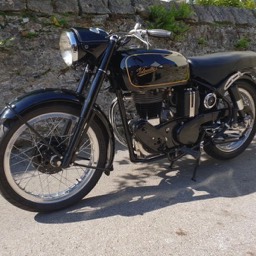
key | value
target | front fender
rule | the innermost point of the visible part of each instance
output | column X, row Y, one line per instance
column 25, row 103
column 36, row 98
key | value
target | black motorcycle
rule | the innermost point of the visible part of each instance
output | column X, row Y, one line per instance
column 56, row 143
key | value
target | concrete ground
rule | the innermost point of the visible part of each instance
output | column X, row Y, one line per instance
column 147, row 209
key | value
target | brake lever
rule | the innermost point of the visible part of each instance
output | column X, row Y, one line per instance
column 137, row 33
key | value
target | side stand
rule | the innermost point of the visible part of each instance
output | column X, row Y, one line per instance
column 198, row 161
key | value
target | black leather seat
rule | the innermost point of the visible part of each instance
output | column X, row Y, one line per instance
column 214, row 68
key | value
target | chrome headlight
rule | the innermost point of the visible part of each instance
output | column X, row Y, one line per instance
column 69, row 47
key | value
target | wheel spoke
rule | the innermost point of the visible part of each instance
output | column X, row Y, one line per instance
column 31, row 172
column 244, row 131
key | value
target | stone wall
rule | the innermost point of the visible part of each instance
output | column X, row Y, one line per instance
column 30, row 29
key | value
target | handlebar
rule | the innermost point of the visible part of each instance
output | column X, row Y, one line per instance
column 159, row 33
column 142, row 34
column 152, row 32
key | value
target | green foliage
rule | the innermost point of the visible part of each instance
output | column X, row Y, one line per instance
column 59, row 22
column 248, row 4
column 202, row 41
column 170, row 19
column 242, row 44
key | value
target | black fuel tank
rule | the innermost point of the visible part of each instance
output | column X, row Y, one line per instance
column 144, row 70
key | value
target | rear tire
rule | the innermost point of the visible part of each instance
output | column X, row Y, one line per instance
column 233, row 149
column 28, row 177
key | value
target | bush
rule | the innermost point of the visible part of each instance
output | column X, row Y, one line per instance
column 248, row 4
column 242, row 44
column 170, row 19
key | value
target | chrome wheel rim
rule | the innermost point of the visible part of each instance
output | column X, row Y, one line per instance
column 24, row 171
column 246, row 131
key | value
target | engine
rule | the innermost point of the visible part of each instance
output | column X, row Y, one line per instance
column 148, row 104
column 165, row 118
column 161, row 112
column 166, row 104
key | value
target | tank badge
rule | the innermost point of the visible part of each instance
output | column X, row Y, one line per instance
column 145, row 71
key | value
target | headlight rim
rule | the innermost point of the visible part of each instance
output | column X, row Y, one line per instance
column 72, row 50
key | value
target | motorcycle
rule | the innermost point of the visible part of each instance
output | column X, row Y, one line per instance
column 56, row 143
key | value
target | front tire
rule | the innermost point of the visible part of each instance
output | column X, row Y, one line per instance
column 28, row 177
column 231, row 150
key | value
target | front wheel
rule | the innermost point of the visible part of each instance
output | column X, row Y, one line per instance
column 245, row 131
column 29, row 176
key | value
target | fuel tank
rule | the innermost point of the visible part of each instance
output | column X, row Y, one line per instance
column 144, row 70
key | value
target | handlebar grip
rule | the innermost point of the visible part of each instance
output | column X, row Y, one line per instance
column 159, row 33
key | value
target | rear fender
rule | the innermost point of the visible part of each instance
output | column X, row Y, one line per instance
column 248, row 75
column 39, row 98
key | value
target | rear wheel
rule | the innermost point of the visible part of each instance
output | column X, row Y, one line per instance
column 245, row 131
column 30, row 176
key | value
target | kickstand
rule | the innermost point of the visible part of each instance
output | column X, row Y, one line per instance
column 195, row 169
column 198, row 161
column 171, row 164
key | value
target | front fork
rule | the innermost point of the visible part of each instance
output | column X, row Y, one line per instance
column 86, row 112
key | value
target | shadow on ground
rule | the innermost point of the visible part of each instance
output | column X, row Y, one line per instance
column 233, row 178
